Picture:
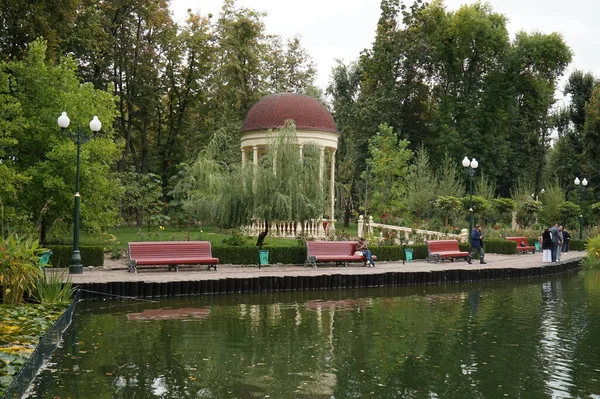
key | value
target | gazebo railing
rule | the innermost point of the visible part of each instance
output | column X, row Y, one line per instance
column 291, row 229
column 406, row 234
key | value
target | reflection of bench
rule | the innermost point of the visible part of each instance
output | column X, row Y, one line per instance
column 438, row 250
column 522, row 245
column 171, row 253
column 339, row 252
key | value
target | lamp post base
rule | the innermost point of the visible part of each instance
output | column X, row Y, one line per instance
column 76, row 267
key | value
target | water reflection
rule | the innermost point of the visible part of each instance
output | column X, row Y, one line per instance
column 521, row 339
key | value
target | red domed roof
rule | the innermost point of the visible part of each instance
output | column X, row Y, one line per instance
column 273, row 110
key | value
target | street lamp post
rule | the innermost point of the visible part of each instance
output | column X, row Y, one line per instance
column 78, row 137
column 471, row 165
column 582, row 185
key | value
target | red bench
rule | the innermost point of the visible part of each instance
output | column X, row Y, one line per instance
column 339, row 252
column 171, row 253
column 438, row 250
column 522, row 245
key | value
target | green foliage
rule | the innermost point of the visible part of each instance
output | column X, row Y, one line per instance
column 568, row 211
column 595, row 210
column 503, row 209
column 53, row 288
column 528, row 211
column 20, row 332
column 506, row 247
column 552, row 198
column 577, row 245
column 142, row 197
column 387, row 170
column 449, row 180
column 421, row 185
column 248, row 255
column 19, row 269
column 235, row 240
column 480, row 205
column 46, row 166
column 592, row 247
column 90, row 256
column 284, row 187
column 448, row 207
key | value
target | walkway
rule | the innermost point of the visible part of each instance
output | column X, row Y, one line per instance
column 117, row 271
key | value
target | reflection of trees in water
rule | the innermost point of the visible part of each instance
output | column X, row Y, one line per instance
column 471, row 341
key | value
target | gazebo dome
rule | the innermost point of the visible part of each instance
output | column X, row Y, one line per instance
column 273, row 110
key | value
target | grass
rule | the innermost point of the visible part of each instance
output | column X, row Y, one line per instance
column 118, row 238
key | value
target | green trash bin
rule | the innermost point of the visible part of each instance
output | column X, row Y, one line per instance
column 537, row 246
column 263, row 257
column 408, row 254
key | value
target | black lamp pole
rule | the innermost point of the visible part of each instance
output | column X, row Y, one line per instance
column 79, row 137
column 582, row 185
column 471, row 166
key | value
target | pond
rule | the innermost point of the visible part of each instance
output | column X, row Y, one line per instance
column 515, row 339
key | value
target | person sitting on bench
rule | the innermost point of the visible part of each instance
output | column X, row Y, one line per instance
column 361, row 246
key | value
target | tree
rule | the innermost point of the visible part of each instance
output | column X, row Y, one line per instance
column 503, row 209
column 46, row 158
column 568, row 211
column 284, row 187
column 420, row 192
column 448, row 206
column 387, row 171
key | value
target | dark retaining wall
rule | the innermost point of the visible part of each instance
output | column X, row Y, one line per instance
column 141, row 289
column 41, row 354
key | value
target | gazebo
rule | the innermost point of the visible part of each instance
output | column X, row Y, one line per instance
column 314, row 124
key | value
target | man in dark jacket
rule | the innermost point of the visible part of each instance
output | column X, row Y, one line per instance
column 566, row 238
column 477, row 244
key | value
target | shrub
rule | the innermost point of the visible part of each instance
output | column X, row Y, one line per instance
column 50, row 289
column 18, row 267
column 90, row 256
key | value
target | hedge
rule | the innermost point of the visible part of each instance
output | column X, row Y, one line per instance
column 577, row 245
column 61, row 255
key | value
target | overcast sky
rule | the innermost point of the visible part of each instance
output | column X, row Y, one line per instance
column 331, row 29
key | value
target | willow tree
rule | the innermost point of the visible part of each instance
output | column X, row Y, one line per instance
column 286, row 185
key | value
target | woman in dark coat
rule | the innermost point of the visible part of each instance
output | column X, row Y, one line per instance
column 546, row 240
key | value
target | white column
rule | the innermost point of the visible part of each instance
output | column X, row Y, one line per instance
column 255, row 155
column 321, row 165
column 361, row 226
column 332, row 185
column 301, row 147
column 244, row 157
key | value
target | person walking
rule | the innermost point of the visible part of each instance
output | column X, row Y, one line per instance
column 546, row 240
column 477, row 245
column 361, row 246
column 555, row 241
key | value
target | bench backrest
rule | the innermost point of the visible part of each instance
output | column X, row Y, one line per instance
column 169, row 249
column 442, row 246
column 319, row 248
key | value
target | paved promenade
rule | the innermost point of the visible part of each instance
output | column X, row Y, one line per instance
column 116, row 271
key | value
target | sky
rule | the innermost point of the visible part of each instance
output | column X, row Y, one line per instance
column 341, row 29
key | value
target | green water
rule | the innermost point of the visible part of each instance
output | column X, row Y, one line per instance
column 518, row 339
